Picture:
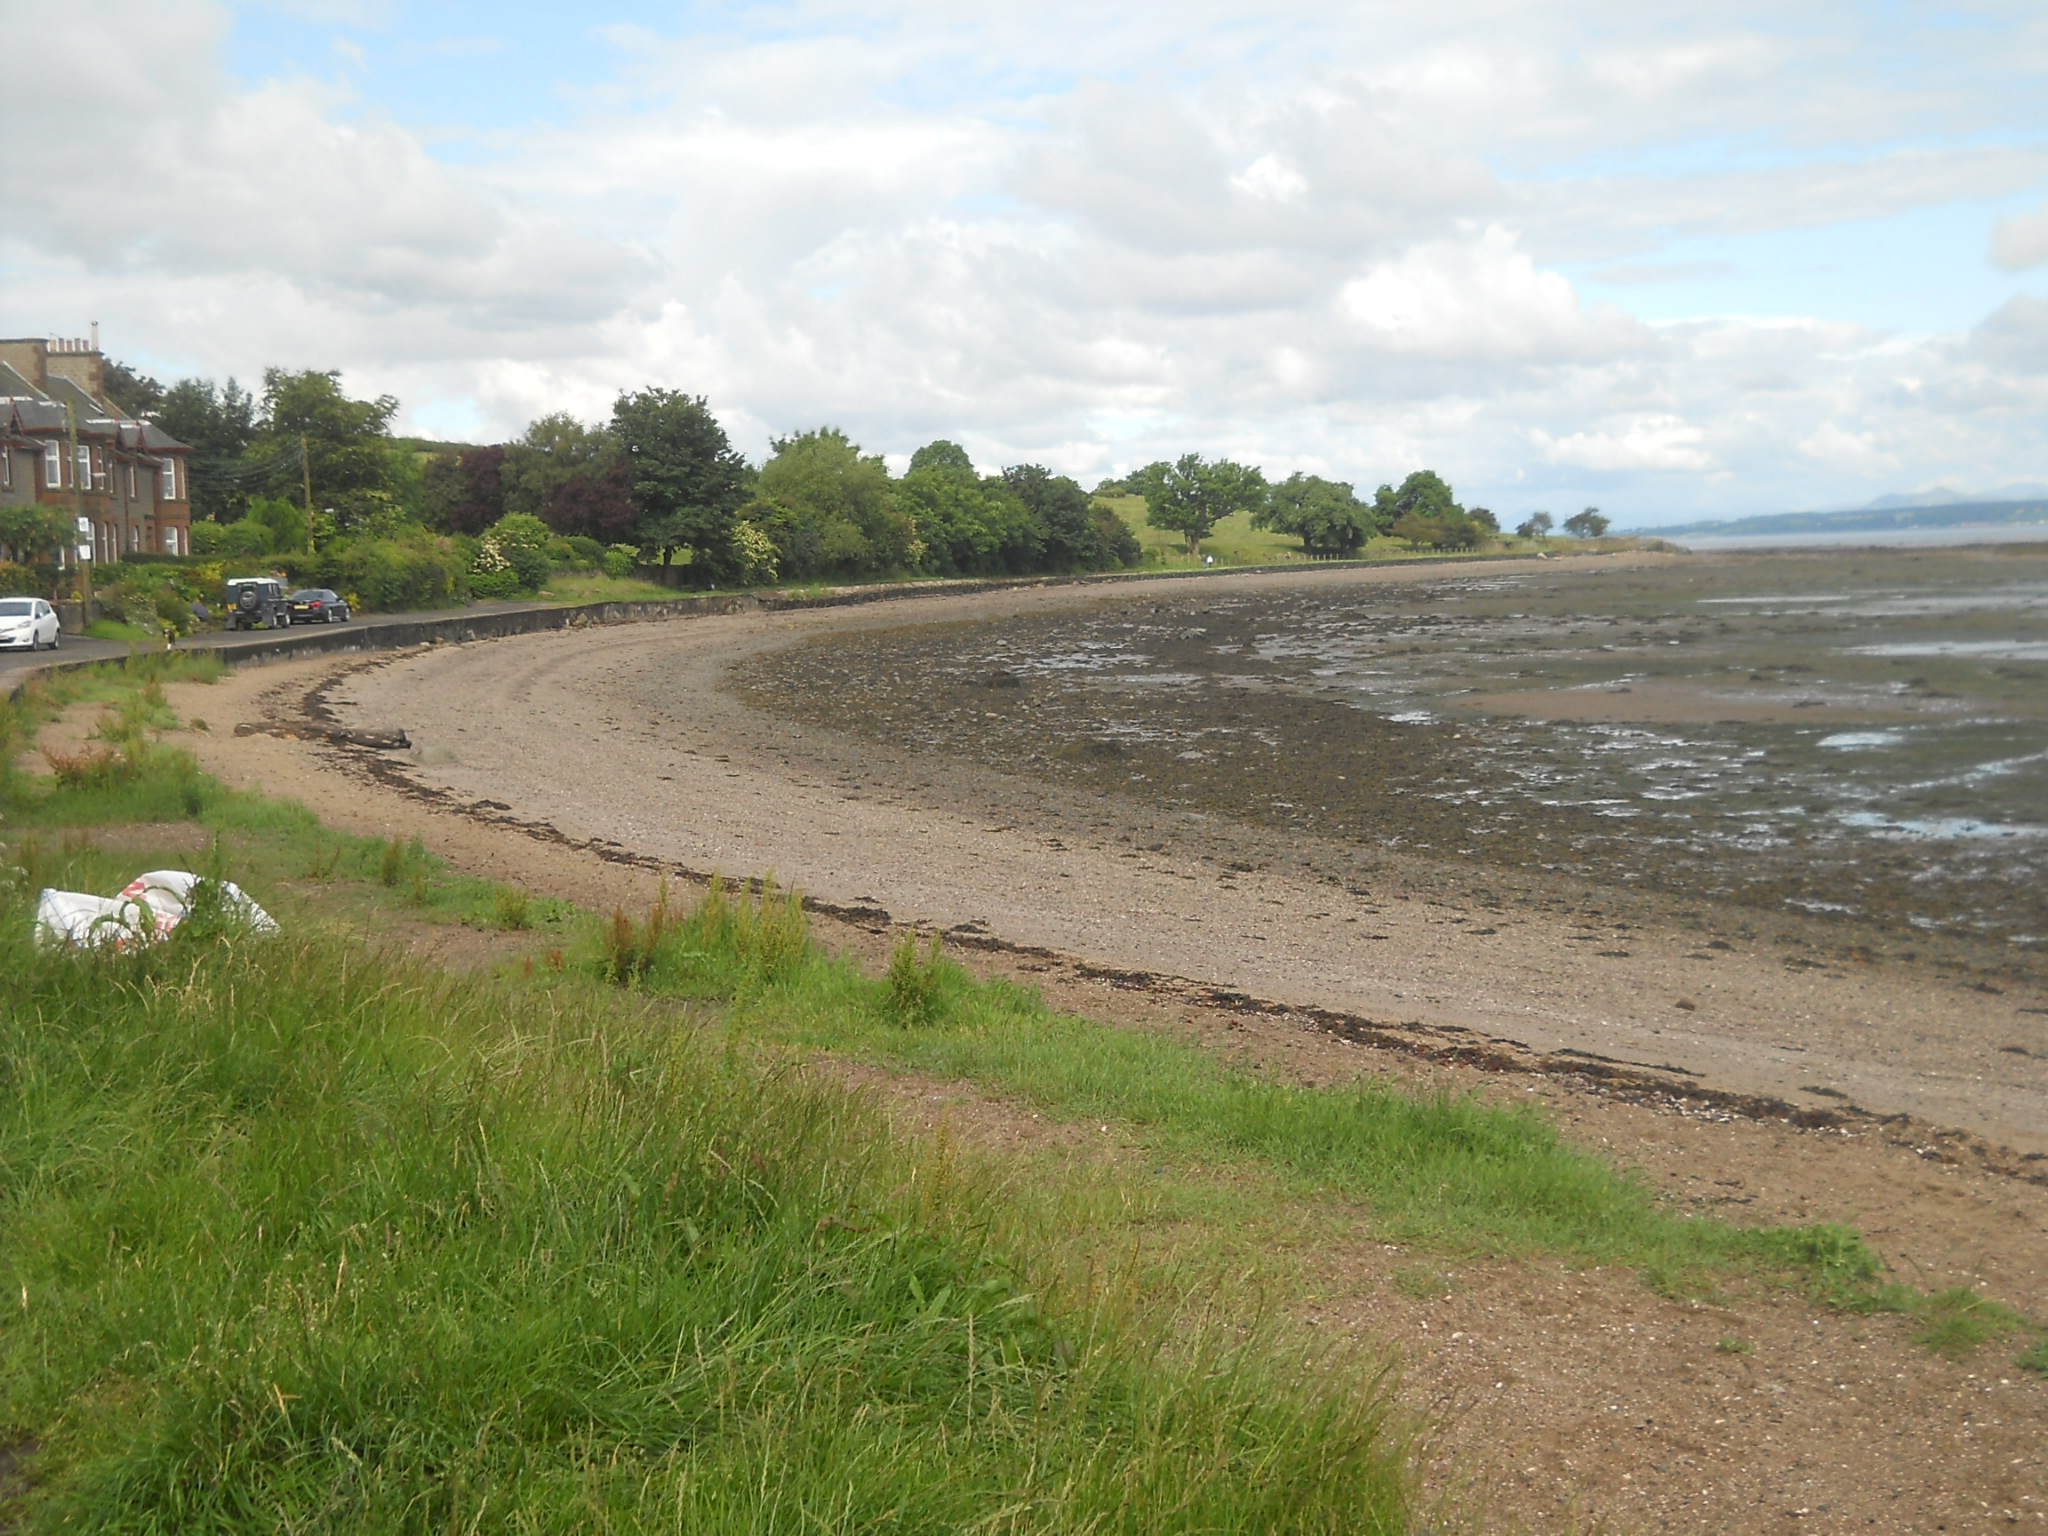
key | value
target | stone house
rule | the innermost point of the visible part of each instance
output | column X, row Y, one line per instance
column 127, row 478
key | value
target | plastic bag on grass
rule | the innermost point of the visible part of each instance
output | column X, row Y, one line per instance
column 148, row 907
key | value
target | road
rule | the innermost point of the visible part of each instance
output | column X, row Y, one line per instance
column 15, row 665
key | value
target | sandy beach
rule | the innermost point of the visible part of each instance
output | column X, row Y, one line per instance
column 625, row 735
column 588, row 764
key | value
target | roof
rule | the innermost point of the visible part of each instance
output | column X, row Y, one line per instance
column 43, row 410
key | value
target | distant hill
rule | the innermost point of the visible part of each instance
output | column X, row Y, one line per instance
column 1871, row 519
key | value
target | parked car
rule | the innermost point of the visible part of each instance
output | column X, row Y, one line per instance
column 317, row 605
column 254, row 600
column 28, row 624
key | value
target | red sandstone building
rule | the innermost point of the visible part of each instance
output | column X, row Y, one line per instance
column 64, row 444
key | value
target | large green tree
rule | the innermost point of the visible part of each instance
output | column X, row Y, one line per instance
column 688, row 481
column 1078, row 532
column 1426, row 513
column 1192, row 495
column 1588, row 524
column 1326, row 515
column 350, row 459
column 218, row 425
column 969, row 524
column 32, row 532
column 830, row 507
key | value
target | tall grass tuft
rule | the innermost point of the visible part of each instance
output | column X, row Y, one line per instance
column 919, row 987
column 732, row 943
column 301, row 1235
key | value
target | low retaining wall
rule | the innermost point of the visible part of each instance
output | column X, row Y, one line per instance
column 456, row 629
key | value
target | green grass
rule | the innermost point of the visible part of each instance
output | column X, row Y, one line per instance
column 1235, row 542
column 116, row 629
column 305, row 1235
column 596, row 587
column 1449, row 1171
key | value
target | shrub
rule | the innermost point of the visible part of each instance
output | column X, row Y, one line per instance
column 619, row 561
column 15, row 577
column 389, row 574
column 500, row 583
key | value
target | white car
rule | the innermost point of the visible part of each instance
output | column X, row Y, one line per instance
column 27, row 624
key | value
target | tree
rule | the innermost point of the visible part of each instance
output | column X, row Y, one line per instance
column 967, row 525
column 1325, row 515
column 830, row 507
column 218, row 425
column 1484, row 517
column 1424, row 512
column 1536, row 525
column 554, row 450
column 284, row 521
column 347, row 443
column 688, row 481
column 1424, row 494
column 1453, row 530
column 596, row 506
column 132, row 393
column 942, row 454
column 1588, row 524
column 33, row 532
column 479, row 490
column 1078, row 533
column 1192, row 495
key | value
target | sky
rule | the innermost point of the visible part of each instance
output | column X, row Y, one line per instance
column 1676, row 260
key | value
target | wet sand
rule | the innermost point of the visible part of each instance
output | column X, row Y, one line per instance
column 632, row 736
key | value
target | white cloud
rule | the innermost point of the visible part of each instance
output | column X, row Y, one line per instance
column 2022, row 241
column 1316, row 236
column 1640, row 442
column 1479, row 300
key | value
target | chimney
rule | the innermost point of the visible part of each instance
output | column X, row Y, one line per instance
column 80, row 362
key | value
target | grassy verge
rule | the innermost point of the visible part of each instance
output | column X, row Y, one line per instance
column 304, row 1235
column 595, row 587
column 1445, row 1171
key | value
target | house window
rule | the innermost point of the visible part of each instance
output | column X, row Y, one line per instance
column 83, row 475
column 99, row 469
column 131, row 482
column 170, row 480
column 53, row 466
column 171, row 540
column 134, row 537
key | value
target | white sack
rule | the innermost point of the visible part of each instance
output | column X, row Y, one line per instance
column 149, row 907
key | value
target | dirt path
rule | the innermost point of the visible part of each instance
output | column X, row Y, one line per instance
column 1566, row 1394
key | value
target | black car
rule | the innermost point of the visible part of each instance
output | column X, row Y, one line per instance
column 317, row 605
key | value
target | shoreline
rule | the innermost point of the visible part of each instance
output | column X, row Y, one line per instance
column 692, row 776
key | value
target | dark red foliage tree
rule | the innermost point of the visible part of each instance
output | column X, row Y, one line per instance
column 482, row 499
column 596, row 506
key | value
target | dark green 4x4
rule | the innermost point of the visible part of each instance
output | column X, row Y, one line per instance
column 258, row 601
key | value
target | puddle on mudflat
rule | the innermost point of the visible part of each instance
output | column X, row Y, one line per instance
column 1863, row 734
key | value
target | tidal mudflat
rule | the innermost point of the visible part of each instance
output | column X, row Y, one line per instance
column 1859, row 736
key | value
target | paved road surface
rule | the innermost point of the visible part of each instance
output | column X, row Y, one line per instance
column 13, row 664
